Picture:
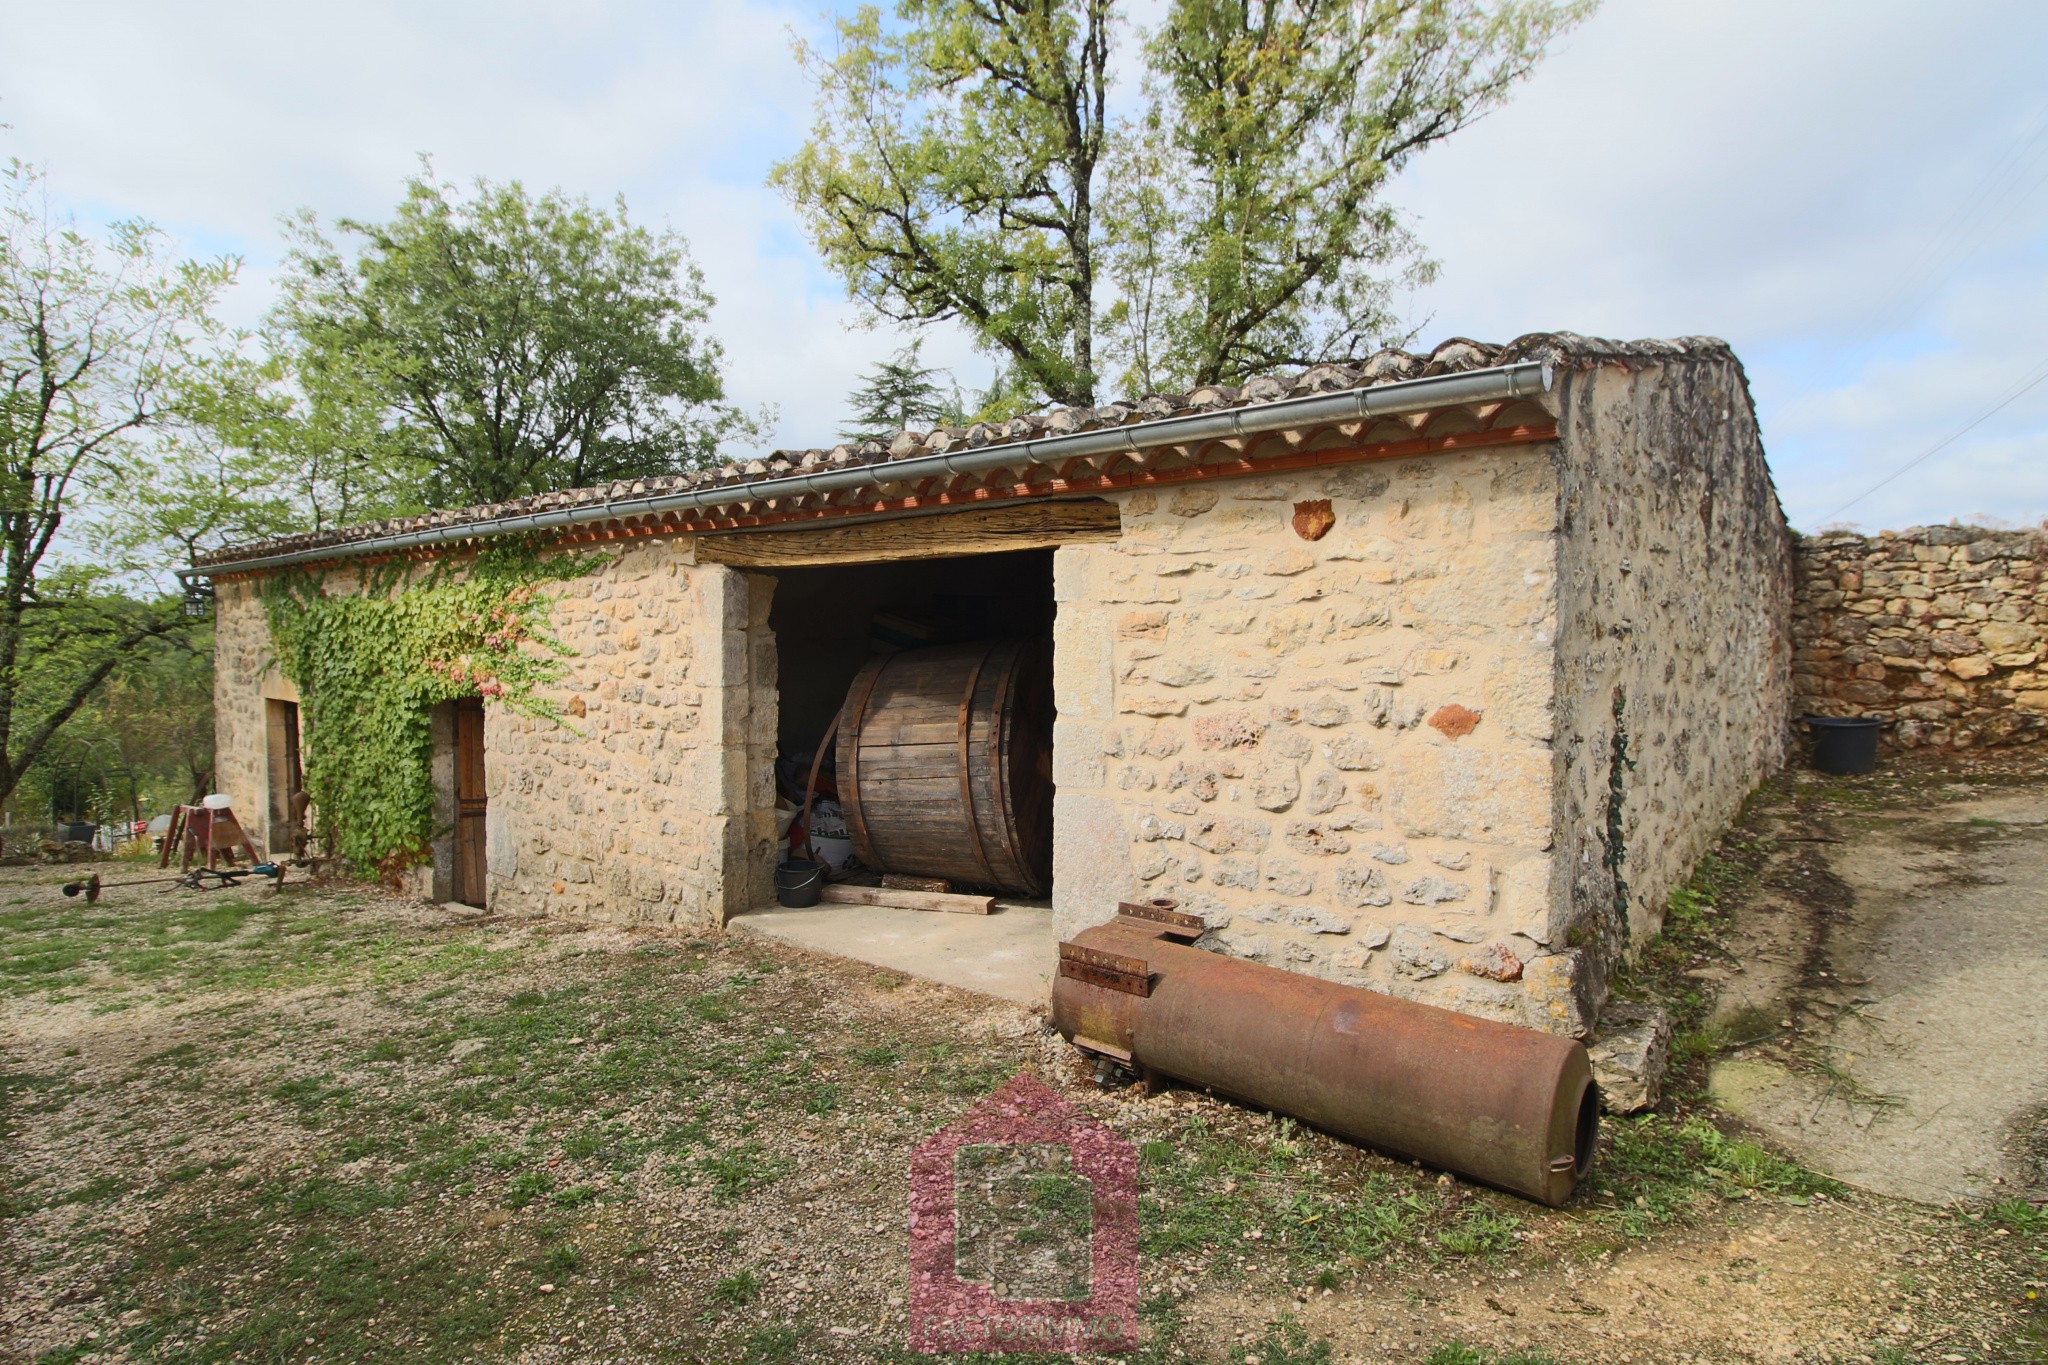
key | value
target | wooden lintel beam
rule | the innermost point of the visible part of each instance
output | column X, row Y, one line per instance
column 969, row 531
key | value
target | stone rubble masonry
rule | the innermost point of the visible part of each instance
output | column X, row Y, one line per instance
column 245, row 681
column 1630, row 1055
column 650, row 803
column 1243, row 721
column 1388, row 756
column 653, row 803
column 1939, row 629
column 1385, row 757
column 1675, row 586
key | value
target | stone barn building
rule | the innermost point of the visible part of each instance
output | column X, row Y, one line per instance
column 1432, row 673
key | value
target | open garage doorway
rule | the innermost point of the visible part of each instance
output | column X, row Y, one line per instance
column 920, row 693
column 928, row 686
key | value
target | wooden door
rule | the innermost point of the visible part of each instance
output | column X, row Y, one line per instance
column 469, row 802
column 287, row 779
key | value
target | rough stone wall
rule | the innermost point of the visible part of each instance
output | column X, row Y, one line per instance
column 1338, row 751
column 245, row 678
column 652, row 804
column 1388, row 756
column 1673, row 649
column 1939, row 628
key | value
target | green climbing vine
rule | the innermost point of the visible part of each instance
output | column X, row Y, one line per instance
column 371, row 663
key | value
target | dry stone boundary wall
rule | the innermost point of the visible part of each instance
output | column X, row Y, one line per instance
column 1939, row 629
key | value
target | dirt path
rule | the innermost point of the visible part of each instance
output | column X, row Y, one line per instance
column 327, row 1125
column 1923, row 1009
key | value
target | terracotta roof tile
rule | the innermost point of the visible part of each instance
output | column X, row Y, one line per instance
column 1458, row 354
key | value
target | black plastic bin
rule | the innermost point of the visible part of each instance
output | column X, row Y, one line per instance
column 799, row 882
column 1844, row 746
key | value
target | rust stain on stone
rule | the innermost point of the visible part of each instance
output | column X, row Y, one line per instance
column 1455, row 721
column 1230, row 730
column 1313, row 520
column 1495, row 962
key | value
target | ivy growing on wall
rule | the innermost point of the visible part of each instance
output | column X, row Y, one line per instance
column 370, row 664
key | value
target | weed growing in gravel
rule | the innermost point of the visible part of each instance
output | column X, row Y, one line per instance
column 1458, row 1353
column 736, row 1290
column 1218, row 1195
column 2016, row 1215
column 1659, row 1170
column 528, row 1186
column 774, row 1345
column 741, row 1171
column 1287, row 1342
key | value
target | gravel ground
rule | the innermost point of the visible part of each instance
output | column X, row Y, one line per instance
column 327, row 1124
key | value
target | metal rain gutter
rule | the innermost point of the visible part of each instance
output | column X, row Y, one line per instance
column 1499, row 383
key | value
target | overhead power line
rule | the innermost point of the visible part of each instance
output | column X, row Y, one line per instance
column 2011, row 396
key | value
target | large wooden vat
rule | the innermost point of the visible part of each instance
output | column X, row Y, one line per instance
column 945, row 764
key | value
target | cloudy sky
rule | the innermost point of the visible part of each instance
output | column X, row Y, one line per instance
column 1853, row 192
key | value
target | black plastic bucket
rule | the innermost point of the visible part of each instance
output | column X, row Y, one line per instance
column 1844, row 746
column 798, row 881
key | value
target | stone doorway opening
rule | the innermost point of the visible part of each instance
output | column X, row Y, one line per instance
column 927, row 685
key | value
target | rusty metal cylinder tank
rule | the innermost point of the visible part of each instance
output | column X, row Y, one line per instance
column 1507, row 1106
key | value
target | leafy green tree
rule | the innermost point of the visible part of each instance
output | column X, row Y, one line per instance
column 142, row 744
column 101, row 345
column 278, row 445
column 901, row 392
column 1250, row 232
column 477, row 350
column 963, row 168
column 952, row 173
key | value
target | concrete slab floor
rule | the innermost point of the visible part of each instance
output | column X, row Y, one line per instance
column 1009, row 954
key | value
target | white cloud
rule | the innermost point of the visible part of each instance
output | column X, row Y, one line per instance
column 1844, row 190
column 1841, row 188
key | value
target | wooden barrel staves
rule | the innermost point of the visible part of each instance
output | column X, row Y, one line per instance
column 945, row 764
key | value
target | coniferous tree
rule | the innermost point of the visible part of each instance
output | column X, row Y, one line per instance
column 900, row 393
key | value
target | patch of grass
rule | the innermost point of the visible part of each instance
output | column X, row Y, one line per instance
column 1287, row 1342
column 325, row 1195
column 1458, row 1353
column 562, row 1259
column 771, row 1345
column 99, row 1190
column 821, row 1100
column 1480, row 1229
column 878, row 1056
column 741, row 1171
column 528, row 1186
column 713, row 1007
column 179, row 942
column 1661, row 1170
column 1207, row 1191
column 736, row 1290
column 311, row 1094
